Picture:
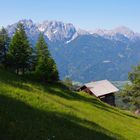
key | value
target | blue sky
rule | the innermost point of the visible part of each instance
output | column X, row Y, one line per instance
column 86, row 14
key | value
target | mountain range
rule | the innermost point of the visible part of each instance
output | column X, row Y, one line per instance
column 87, row 55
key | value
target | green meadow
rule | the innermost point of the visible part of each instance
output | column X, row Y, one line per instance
column 36, row 111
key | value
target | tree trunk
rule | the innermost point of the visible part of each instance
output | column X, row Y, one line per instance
column 23, row 71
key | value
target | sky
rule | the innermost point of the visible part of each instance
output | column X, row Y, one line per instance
column 85, row 14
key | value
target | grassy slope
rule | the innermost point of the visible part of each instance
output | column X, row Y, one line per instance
column 42, row 112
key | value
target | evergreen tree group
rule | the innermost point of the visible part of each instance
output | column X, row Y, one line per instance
column 18, row 56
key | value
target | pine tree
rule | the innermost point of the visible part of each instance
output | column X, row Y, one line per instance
column 4, row 44
column 131, row 92
column 19, row 51
column 45, row 69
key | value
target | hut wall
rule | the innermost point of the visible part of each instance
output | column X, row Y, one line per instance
column 109, row 98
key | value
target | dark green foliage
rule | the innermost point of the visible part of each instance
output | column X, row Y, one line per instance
column 131, row 92
column 4, row 44
column 20, row 51
column 21, row 58
column 134, row 76
column 45, row 68
column 33, row 60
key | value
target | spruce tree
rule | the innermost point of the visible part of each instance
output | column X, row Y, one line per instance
column 19, row 51
column 45, row 69
column 131, row 92
column 4, row 44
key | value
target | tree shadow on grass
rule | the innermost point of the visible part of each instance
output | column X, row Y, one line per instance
column 17, row 84
column 61, row 91
column 19, row 121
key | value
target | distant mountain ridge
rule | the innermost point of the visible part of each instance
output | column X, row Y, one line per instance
column 118, row 32
column 59, row 31
column 87, row 55
column 53, row 30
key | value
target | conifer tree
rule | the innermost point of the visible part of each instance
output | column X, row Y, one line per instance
column 45, row 69
column 131, row 92
column 4, row 44
column 19, row 51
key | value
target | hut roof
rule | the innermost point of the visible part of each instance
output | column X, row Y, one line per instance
column 101, row 88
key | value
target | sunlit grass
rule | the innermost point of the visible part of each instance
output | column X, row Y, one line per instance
column 38, row 111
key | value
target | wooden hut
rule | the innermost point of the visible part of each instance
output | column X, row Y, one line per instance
column 104, row 90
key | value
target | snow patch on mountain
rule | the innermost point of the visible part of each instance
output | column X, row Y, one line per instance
column 30, row 27
column 57, row 31
column 74, row 36
column 67, row 32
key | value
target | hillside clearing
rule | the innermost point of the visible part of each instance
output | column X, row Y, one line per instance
column 45, row 112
